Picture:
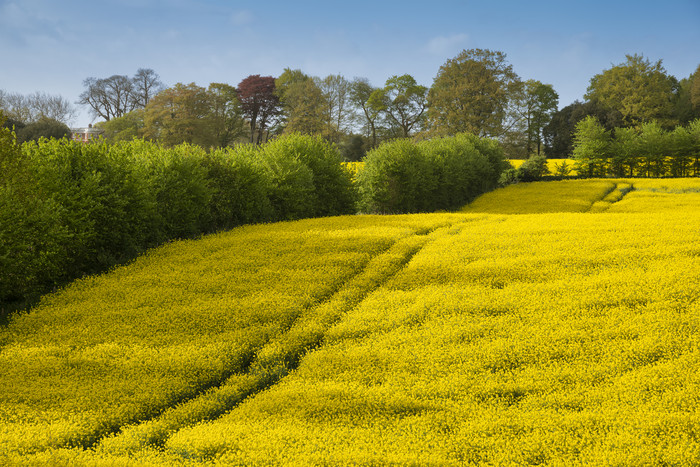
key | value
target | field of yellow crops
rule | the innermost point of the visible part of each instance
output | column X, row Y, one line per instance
column 547, row 323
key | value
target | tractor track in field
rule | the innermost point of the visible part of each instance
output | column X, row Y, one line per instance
column 275, row 360
column 614, row 195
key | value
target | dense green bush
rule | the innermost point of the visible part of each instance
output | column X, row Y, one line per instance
column 32, row 237
column 533, row 169
column 463, row 171
column 306, row 176
column 438, row 174
column 68, row 209
column 241, row 189
column 398, row 177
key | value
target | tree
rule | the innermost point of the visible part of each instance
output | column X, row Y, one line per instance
column 653, row 148
column 405, row 104
column 260, row 104
column 305, row 112
column 34, row 107
column 117, row 95
column 226, row 117
column 45, row 127
column 540, row 104
column 360, row 96
column 695, row 91
column 471, row 93
column 180, row 115
column 558, row 133
column 15, row 107
column 301, row 102
column 640, row 90
column 625, row 152
column 124, row 128
column 146, row 85
column 335, row 90
column 592, row 144
column 109, row 97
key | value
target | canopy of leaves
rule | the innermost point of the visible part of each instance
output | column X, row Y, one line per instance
column 260, row 104
column 640, row 90
column 471, row 93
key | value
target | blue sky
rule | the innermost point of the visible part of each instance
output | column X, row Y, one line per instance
column 52, row 46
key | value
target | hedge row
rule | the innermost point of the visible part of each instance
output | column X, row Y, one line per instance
column 69, row 209
column 647, row 151
column 438, row 174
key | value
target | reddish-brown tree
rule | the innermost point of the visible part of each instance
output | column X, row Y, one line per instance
column 259, row 103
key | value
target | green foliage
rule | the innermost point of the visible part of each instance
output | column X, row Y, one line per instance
column 31, row 235
column 307, row 177
column 562, row 169
column 471, row 94
column 462, row 171
column 397, row 178
column 43, row 128
column 240, row 189
column 639, row 90
column 70, row 209
column 649, row 151
column 443, row 173
column 530, row 170
column 124, row 128
column 592, row 147
column 558, row 134
column 353, row 148
column 533, row 169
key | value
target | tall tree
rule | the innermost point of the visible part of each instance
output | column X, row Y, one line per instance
column 117, row 95
column 179, row 114
column 34, row 107
column 592, row 145
column 406, row 102
column 360, row 96
column 301, row 101
column 109, row 97
column 146, row 85
column 225, row 115
column 538, row 105
column 44, row 127
column 335, row 91
column 124, row 128
column 640, row 90
column 471, row 93
column 695, row 90
column 260, row 104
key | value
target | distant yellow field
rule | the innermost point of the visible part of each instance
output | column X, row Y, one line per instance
column 553, row 164
column 548, row 323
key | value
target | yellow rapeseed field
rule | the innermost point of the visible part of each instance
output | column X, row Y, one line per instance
column 547, row 323
column 554, row 165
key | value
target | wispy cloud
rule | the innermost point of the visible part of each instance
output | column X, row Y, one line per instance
column 242, row 17
column 444, row 45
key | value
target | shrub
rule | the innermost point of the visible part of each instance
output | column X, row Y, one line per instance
column 397, row 178
column 443, row 173
column 462, row 172
column 240, row 189
column 533, row 169
column 307, row 177
column 178, row 181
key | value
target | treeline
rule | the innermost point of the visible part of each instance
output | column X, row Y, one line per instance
column 475, row 92
column 648, row 150
column 68, row 209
